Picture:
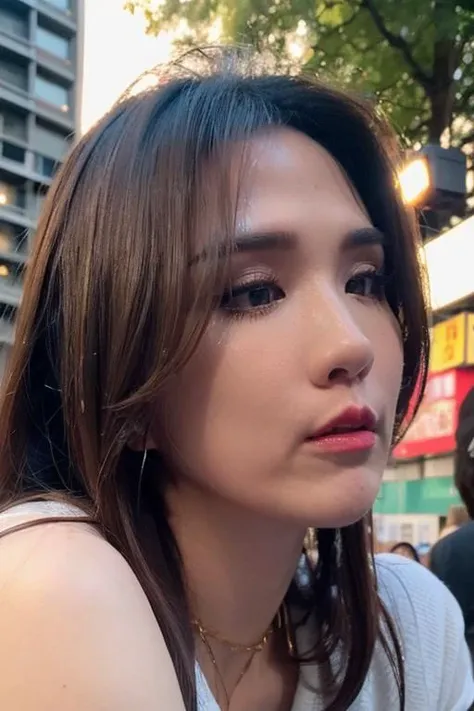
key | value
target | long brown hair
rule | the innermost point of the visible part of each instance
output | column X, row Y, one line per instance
column 113, row 305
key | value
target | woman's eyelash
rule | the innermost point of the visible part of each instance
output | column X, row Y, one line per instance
column 252, row 298
column 261, row 295
column 376, row 281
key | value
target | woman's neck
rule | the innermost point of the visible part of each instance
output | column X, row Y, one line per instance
column 238, row 564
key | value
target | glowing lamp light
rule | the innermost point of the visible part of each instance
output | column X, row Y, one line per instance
column 3, row 199
column 434, row 179
column 415, row 181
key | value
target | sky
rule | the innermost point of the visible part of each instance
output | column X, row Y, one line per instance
column 116, row 52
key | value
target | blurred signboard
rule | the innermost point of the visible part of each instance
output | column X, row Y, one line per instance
column 452, row 343
column 433, row 429
column 470, row 339
column 431, row 496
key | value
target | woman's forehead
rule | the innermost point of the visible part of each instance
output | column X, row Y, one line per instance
column 282, row 167
column 266, row 181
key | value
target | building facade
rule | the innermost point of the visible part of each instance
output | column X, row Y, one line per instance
column 41, row 43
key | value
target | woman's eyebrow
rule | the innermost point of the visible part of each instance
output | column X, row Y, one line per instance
column 271, row 240
column 362, row 237
column 258, row 241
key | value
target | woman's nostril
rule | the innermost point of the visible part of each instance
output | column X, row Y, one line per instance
column 338, row 374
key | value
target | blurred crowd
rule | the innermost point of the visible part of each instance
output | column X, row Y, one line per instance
column 451, row 558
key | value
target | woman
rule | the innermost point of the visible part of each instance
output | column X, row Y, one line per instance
column 406, row 550
column 222, row 328
column 451, row 557
column 457, row 517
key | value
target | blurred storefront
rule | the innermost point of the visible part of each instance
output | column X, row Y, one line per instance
column 418, row 487
column 413, row 510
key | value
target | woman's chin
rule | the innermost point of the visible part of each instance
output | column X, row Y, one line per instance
column 341, row 500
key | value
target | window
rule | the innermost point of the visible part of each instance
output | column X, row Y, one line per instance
column 52, row 93
column 5, row 349
column 13, row 238
column 10, row 274
column 7, row 313
column 47, row 140
column 7, row 237
column 52, row 43
column 12, row 123
column 12, row 196
column 12, row 151
column 11, row 281
column 61, row 4
column 13, row 23
column 40, row 198
column 13, row 73
column 45, row 166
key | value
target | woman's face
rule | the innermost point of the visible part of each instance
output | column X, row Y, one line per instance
column 304, row 336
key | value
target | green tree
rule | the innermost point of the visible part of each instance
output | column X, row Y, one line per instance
column 416, row 57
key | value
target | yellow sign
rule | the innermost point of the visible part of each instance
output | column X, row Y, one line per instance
column 452, row 343
column 470, row 339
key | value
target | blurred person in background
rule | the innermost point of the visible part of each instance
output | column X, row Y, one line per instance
column 452, row 558
column 423, row 550
column 457, row 516
column 406, row 550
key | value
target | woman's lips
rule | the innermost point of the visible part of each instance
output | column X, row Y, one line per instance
column 341, row 442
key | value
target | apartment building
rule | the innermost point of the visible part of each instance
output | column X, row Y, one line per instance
column 40, row 90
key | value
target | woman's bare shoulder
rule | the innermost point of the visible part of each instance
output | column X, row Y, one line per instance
column 76, row 629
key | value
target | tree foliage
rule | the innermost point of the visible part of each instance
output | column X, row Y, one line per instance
column 416, row 57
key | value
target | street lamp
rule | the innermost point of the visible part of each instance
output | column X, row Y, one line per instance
column 415, row 181
column 434, row 181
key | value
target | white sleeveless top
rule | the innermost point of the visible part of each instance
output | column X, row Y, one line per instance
column 438, row 670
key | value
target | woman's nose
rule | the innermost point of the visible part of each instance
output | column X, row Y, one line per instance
column 341, row 351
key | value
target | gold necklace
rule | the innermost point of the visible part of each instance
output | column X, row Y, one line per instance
column 281, row 620
column 207, row 646
column 235, row 646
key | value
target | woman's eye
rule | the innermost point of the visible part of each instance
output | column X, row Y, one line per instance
column 252, row 296
column 369, row 284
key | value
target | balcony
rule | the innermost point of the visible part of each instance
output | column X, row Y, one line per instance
column 17, row 216
column 13, row 155
column 10, row 294
column 16, row 44
column 14, row 77
column 45, row 168
column 59, row 11
column 11, row 282
column 15, row 28
column 54, row 100
column 14, row 243
column 6, row 329
column 18, row 160
column 62, row 116
column 13, row 150
column 55, row 115
column 55, row 65
column 15, row 95
column 12, row 193
column 17, row 205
